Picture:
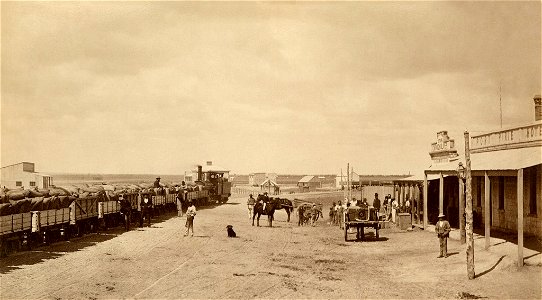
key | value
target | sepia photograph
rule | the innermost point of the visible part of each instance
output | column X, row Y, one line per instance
column 271, row 149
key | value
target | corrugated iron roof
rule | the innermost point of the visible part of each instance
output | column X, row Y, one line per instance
column 306, row 178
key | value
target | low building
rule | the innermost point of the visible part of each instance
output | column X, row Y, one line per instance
column 309, row 184
column 24, row 175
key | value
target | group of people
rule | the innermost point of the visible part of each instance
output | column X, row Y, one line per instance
column 338, row 211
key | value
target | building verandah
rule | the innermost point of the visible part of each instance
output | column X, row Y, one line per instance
column 506, row 185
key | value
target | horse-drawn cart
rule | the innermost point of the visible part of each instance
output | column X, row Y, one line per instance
column 361, row 218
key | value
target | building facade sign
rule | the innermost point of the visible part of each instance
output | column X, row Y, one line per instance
column 524, row 136
column 443, row 149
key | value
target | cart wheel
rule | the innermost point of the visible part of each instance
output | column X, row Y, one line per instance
column 345, row 233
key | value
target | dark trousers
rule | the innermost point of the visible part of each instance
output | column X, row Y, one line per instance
column 443, row 246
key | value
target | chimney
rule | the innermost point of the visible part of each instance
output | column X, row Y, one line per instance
column 209, row 163
column 200, row 173
column 537, row 108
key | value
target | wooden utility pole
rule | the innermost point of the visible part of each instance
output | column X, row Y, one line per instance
column 348, row 180
column 342, row 182
column 351, row 180
column 468, row 211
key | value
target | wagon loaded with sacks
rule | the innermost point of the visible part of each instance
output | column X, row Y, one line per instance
column 361, row 218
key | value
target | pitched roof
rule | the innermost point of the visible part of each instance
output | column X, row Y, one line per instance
column 306, row 178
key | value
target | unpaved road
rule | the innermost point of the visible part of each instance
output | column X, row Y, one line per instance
column 285, row 261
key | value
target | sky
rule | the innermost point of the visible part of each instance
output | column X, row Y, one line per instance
column 287, row 87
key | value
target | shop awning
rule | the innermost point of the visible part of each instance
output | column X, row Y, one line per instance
column 512, row 159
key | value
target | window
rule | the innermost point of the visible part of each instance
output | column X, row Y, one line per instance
column 479, row 191
column 501, row 192
column 32, row 183
column 532, row 191
column 18, row 183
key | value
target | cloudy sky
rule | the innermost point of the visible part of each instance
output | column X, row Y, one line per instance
column 137, row 87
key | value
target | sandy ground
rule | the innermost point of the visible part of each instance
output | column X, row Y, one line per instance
column 285, row 261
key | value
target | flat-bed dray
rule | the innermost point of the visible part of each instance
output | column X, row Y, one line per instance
column 361, row 218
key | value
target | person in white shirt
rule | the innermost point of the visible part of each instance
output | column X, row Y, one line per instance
column 190, row 214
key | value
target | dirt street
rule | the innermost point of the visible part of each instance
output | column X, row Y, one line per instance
column 285, row 261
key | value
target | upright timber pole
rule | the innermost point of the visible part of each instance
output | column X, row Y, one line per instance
column 468, row 211
column 348, row 180
column 520, row 217
column 487, row 214
column 441, row 194
column 425, row 182
column 461, row 210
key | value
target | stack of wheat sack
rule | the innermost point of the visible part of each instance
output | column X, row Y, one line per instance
column 16, row 201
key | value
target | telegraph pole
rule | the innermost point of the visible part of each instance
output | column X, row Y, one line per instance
column 468, row 212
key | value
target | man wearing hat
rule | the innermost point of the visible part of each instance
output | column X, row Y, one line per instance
column 443, row 231
column 250, row 203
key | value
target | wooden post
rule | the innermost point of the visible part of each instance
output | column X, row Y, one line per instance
column 348, row 181
column 487, row 207
column 468, row 212
column 441, row 195
column 351, row 180
column 425, row 201
column 520, row 217
column 461, row 210
column 342, row 183
column 418, row 202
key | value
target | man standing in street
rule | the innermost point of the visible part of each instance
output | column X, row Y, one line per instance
column 443, row 231
column 190, row 214
column 180, row 199
column 250, row 204
column 376, row 204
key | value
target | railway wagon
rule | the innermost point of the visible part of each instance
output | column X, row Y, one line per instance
column 13, row 228
column 84, row 215
column 50, row 225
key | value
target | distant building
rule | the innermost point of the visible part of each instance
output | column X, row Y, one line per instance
column 256, row 179
column 24, row 175
column 342, row 180
column 309, row 184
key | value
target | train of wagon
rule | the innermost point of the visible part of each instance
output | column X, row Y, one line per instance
column 36, row 216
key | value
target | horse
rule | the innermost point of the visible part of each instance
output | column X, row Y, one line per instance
column 285, row 204
column 270, row 207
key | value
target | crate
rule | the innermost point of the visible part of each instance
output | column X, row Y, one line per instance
column 405, row 222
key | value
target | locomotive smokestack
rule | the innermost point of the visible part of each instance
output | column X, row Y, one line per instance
column 200, row 173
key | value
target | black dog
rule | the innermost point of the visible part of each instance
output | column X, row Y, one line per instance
column 231, row 233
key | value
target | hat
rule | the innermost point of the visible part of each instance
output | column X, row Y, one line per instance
column 157, row 177
column 441, row 215
column 250, row 195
